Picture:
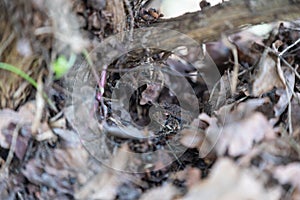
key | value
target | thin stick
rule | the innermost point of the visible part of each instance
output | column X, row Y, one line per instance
column 94, row 72
column 235, row 74
column 293, row 69
column 6, row 43
column 11, row 151
column 129, row 9
column 289, row 47
column 287, row 88
column 206, row 25
column 175, row 156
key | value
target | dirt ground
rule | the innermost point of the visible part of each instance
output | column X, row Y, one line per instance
column 103, row 100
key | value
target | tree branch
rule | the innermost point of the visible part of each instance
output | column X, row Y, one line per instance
column 208, row 25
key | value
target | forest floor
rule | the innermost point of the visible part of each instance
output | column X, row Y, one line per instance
column 114, row 115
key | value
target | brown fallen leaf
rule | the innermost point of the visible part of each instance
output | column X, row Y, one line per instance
column 151, row 93
column 189, row 175
column 236, row 131
column 228, row 181
column 166, row 192
column 68, row 138
column 288, row 174
column 295, row 115
column 238, row 137
column 245, row 42
column 193, row 136
column 8, row 116
column 104, row 185
column 193, row 176
column 35, row 174
column 21, row 140
column 286, row 94
column 24, row 118
column 60, row 166
column 267, row 77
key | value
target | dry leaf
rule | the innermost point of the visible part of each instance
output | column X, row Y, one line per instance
column 267, row 77
column 21, row 141
column 193, row 176
column 237, row 130
column 288, row 174
column 60, row 165
column 296, row 112
column 24, row 118
column 166, row 192
column 227, row 181
column 69, row 138
column 7, row 116
column 104, row 185
column 238, row 137
column 286, row 94
column 151, row 93
column 219, row 95
column 193, row 136
column 34, row 172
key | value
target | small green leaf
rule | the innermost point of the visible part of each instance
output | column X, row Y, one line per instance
column 61, row 65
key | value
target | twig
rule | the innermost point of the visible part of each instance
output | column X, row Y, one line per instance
column 7, row 42
column 287, row 86
column 40, row 105
column 235, row 74
column 175, row 156
column 289, row 66
column 11, row 151
column 293, row 69
column 289, row 47
column 129, row 9
column 91, row 64
column 290, row 118
column 43, row 30
column 291, row 141
column 208, row 25
column 100, row 82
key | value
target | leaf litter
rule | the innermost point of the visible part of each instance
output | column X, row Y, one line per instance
column 243, row 145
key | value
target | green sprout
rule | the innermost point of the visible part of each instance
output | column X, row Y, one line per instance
column 61, row 65
column 19, row 72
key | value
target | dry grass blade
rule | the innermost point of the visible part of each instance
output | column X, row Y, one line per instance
column 4, row 168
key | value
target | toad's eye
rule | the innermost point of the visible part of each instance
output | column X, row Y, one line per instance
column 151, row 14
column 204, row 4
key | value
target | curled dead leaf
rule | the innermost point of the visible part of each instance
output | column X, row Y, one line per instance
column 236, row 129
column 151, row 93
column 239, row 137
column 166, row 192
column 296, row 112
column 193, row 136
column 288, row 174
column 228, row 181
column 267, row 77
column 286, row 94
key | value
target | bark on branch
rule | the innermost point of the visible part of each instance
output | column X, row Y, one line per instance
column 207, row 25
